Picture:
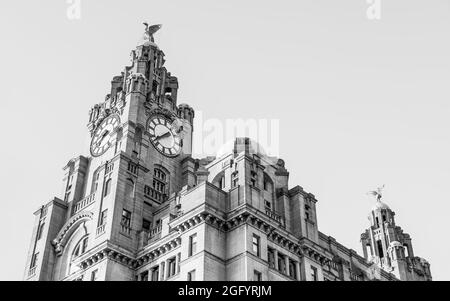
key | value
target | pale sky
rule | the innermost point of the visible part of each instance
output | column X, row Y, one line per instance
column 360, row 102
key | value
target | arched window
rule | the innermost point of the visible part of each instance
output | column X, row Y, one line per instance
column 405, row 247
column 129, row 188
column 95, row 182
column 80, row 248
column 219, row 180
column 107, row 189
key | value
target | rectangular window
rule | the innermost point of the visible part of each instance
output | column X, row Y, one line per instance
column 268, row 204
column 34, row 260
column 40, row 230
column 191, row 276
column 234, row 179
column 171, row 267
column 380, row 249
column 257, row 276
column 94, row 275
column 147, row 190
column 126, row 218
column 281, row 264
column 146, row 225
column 192, row 244
column 103, row 216
column 256, row 245
column 314, row 274
column 254, row 179
column 292, row 269
column 271, row 257
column 144, row 276
column 155, row 273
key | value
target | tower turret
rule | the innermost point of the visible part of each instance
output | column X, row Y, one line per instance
column 385, row 244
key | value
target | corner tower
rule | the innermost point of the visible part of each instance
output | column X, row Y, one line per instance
column 386, row 245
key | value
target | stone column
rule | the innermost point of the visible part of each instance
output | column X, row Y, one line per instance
column 286, row 265
column 161, row 271
column 297, row 270
column 178, row 260
column 275, row 256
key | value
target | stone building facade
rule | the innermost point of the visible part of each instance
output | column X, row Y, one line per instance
column 139, row 207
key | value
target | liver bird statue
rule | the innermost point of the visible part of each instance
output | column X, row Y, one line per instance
column 378, row 193
column 150, row 31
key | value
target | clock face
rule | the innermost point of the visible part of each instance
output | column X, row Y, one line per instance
column 164, row 136
column 102, row 139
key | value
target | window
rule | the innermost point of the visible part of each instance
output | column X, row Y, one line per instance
column 40, row 230
column 94, row 275
column 307, row 212
column 282, row 263
column 254, row 179
column 257, row 276
column 314, row 274
column 380, row 249
column 192, row 244
column 191, row 276
column 144, row 276
column 34, row 260
column 235, row 179
column 147, row 190
column 132, row 168
column 95, row 182
column 103, row 217
column 67, row 196
column 107, row 189
column 268, row 204
column 268, row 183
column 292, row 269
column 155, row 273
column 256, row 245
column 129, row 188
column 81, row 248
column 171, row 267
column 271, row 257
column 126, row 218
column 405, row 246
column 222, row 183
column 146, row 225
column 368, row 249
column 160, row 185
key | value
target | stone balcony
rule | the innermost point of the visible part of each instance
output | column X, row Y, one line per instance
column 81, row 205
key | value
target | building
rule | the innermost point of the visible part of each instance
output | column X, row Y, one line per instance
column 139, row 207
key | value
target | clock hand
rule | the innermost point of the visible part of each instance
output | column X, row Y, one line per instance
column 105, row 134
column 163, row 136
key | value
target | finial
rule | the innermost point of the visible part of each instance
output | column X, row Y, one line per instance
column 150, row 31
column 378, row 193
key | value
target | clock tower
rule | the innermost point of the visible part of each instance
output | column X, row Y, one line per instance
column 139, row 155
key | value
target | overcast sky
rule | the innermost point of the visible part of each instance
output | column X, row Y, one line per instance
column 360, row 102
